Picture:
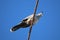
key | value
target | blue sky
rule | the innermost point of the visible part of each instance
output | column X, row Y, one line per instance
column 13, row 11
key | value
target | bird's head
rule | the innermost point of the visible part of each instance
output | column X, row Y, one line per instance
column 40, row 14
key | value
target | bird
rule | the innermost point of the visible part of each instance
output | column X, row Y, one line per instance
column 26, row 22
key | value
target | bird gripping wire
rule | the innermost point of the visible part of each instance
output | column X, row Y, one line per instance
column 35, row 9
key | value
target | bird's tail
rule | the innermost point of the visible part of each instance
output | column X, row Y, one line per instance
column 15, row 28
column 21, row 25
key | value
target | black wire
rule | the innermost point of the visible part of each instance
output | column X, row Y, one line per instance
column 35, row 9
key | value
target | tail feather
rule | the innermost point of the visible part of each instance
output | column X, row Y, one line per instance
column 15, row 28
column 21, row 25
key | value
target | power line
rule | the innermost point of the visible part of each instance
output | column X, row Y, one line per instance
column 35, row 9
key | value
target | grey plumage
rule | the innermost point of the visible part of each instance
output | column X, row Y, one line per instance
column 26, row 22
